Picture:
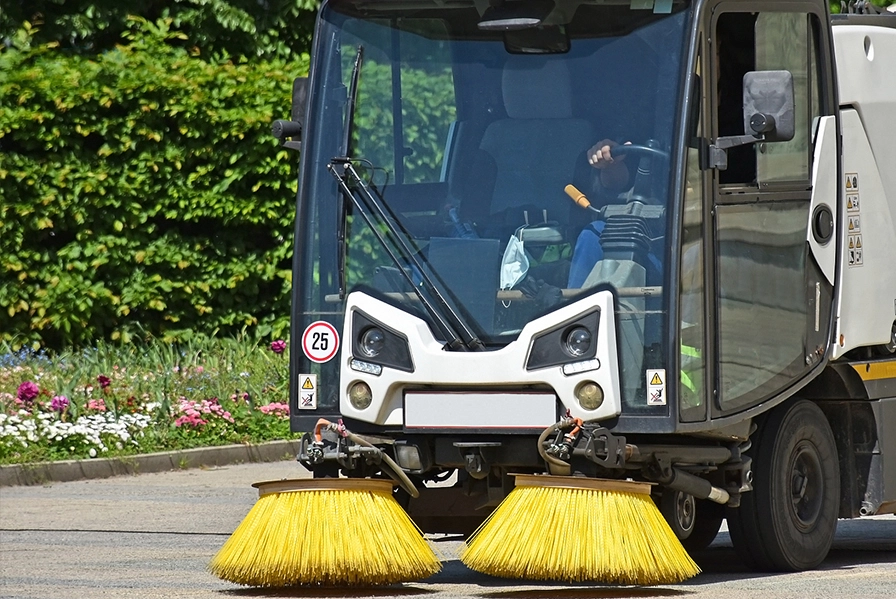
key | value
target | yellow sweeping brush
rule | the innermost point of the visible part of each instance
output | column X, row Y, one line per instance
column 325, row 532
column 579, row 529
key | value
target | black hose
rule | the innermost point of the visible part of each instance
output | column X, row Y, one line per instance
column 394, row 470
column 562, row 468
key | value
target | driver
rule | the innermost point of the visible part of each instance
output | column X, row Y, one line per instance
column 614, row 174
column 614, row 178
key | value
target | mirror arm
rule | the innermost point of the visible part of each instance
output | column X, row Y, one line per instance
column 282, row 130
column 733, row 141
column 760, row 123
column 718, row 152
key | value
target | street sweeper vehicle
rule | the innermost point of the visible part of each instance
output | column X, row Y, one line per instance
column 587, row 244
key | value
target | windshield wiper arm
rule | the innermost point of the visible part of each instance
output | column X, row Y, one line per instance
column 351, row 101
column 375, row 212
column 371, row 208
column 349, row 121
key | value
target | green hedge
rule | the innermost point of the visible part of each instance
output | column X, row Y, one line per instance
column 142, row 191
column 236, row 28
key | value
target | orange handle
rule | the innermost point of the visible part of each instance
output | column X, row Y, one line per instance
column 577, row 196
column 321, row 424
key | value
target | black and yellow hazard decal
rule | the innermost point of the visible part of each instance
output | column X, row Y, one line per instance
column 875, row 371
column 879, row 377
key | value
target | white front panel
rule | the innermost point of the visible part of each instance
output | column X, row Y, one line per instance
column 500, row 370
column 480, row 410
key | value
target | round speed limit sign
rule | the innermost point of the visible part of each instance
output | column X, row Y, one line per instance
column 320, row 341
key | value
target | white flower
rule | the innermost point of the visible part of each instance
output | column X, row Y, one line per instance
column 91, row 452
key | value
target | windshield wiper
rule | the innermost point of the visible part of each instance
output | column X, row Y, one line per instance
column 377, row 214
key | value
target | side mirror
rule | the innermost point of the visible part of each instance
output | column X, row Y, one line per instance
column 292, row 129
column 768, row 114
column 768, row 104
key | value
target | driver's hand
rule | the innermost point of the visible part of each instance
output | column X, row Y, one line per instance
column 599, row 156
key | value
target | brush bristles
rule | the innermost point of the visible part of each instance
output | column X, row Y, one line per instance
column 353, row 537
column 577, row 535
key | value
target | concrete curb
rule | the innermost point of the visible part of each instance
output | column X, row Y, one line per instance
column 70, row 470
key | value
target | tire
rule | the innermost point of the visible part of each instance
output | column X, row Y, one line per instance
column 787, row 522
column 709, row 520
column 695, row 522
column 680, row 511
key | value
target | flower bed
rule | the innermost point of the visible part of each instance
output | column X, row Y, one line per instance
column 122, row 400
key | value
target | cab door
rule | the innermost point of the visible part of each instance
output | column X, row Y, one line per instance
column 771, row 299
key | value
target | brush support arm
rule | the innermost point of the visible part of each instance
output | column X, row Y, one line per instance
column 350, row 451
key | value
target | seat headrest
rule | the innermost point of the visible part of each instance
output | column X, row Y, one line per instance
column 536, row 89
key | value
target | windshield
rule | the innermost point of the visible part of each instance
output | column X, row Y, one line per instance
column 470, row 135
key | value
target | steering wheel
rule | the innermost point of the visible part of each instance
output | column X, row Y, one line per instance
column 638, row 150
column 645, row 181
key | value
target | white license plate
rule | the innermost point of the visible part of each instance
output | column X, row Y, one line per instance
column 479, row 410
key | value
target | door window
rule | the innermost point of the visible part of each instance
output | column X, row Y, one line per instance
column 761, row 212
column 783, row 42
column 761, row 298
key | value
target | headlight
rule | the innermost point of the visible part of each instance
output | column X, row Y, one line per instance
column 372, row 342
column 578, row 341
column 572, row 341
column 590, row 395
column 359, row 395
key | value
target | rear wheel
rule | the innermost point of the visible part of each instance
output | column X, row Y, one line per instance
column 787, row 522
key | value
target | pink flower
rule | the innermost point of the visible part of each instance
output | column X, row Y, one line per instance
column 59, row 403
column 96, row 404
column 190, row 420
column 278, row 346
column 196, row 413
column 281, row 410
column 27, row 391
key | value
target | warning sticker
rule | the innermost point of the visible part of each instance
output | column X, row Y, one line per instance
column 854, row 250
column 656, row 387
column 307, row 391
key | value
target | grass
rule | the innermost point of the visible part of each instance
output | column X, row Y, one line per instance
column 115, row 400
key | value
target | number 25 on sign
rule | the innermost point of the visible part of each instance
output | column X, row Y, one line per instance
column 320, row 341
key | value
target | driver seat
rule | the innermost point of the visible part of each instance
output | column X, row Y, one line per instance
column 537, row 148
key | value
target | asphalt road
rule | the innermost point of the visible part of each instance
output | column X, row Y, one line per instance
column 153, row 535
